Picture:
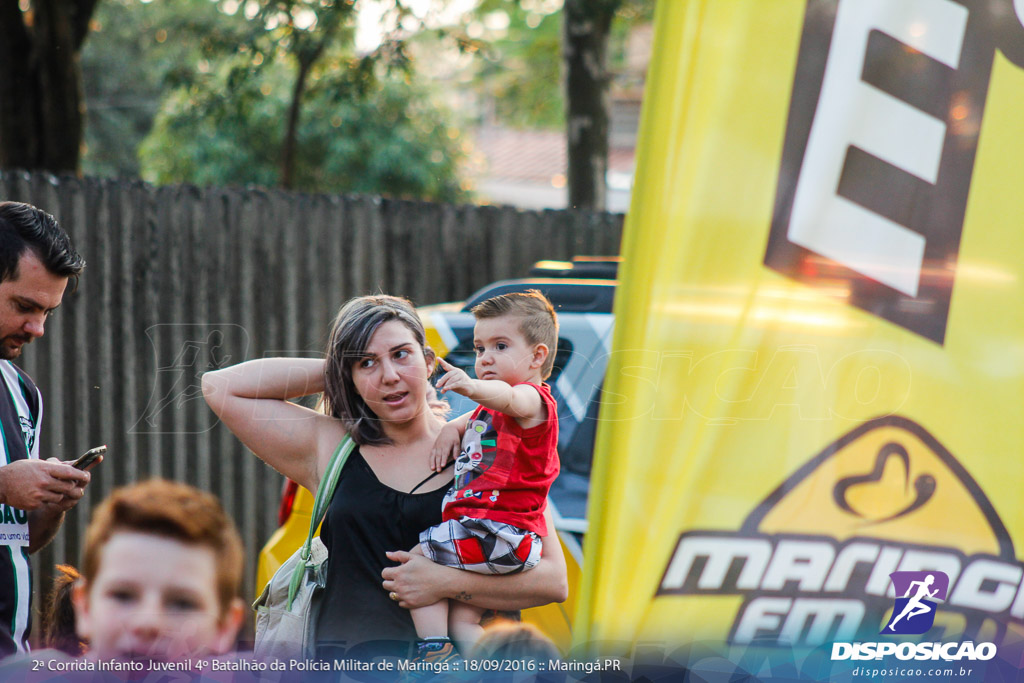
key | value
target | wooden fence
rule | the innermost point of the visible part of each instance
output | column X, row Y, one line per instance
column 180, row 280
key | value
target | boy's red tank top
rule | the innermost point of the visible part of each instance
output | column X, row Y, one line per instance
column 504, row 471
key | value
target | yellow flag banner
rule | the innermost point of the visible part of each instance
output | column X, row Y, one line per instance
column 812, row 414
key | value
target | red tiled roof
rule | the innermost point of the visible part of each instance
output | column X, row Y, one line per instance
column 532, row 155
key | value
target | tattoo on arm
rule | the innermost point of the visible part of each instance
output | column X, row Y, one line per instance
column 463, row 596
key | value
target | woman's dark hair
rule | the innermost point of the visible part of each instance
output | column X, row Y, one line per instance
column 350, row 336
column 23, row 226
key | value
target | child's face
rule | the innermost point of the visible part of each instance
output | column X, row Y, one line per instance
column 503, row 353
column 154, row 598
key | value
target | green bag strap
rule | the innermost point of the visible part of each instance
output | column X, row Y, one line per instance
column 324, row 493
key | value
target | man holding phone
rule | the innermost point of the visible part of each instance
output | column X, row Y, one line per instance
column 36, row 262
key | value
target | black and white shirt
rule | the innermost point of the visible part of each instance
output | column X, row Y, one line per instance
column 21, row 411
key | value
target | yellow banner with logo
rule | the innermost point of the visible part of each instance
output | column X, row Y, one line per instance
column 818, row 365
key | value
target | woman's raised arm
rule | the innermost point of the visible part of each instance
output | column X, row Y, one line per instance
column 252, row 400
column 419, row 582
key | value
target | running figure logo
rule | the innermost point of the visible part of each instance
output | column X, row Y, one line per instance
column 916, row 595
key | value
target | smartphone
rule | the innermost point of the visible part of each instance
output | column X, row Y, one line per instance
column 89, row 457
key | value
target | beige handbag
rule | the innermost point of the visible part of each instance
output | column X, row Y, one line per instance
column 288, row 608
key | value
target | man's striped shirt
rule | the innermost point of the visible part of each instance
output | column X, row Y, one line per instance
column 21, row 411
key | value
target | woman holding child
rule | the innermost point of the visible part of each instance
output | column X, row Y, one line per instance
column 375, row 386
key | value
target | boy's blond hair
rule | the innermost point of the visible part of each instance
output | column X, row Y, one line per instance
column 538, row 321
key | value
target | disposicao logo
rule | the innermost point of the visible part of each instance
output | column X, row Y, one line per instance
column 917, row 595
column 914, row 614
column 914, row 611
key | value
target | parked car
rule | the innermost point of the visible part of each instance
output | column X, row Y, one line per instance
column 581, row 291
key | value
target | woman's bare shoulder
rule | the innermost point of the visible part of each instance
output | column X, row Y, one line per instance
column 330, row 432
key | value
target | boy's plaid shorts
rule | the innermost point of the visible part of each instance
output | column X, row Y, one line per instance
column 481, row 545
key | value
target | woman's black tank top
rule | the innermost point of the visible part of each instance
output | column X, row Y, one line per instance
column 364, row 520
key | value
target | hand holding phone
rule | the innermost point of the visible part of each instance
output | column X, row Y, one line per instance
column 89, row 457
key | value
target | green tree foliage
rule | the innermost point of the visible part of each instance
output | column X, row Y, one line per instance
column 119, row 111
column 379, row 136
column 138, row 51
column 266, row 92
column 520, row 67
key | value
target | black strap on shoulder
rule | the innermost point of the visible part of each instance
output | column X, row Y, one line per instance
column 432, row 475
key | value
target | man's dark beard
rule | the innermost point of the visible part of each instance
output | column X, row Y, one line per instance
column 5, row 354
